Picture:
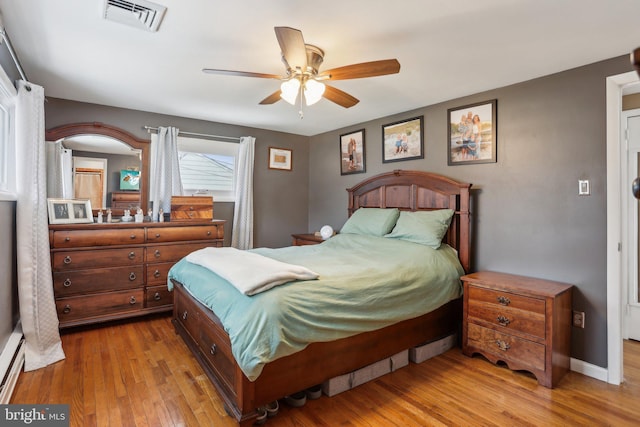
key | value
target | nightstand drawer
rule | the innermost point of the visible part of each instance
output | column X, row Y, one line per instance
column 507, row 347
column 517, row 314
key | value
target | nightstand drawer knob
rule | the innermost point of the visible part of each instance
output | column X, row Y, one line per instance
column 504, row 346
column 503, row 300
column 503, row 321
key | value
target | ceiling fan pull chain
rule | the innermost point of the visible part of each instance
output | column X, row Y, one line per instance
column 301, row 113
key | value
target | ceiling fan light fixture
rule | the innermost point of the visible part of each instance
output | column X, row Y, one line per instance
column 289, row 90
column 313, row 91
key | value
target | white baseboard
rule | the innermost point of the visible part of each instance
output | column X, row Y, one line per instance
column 589, row 370
column 11, row 362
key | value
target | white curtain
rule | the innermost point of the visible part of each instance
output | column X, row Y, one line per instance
column 165, row 171
column 242, row 232
column 59, row 170
column 35, row 284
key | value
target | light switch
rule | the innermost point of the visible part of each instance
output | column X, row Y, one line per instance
column 584, row 188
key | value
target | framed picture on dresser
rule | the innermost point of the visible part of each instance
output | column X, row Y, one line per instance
column 69, row 211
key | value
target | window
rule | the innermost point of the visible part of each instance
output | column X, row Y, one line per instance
column 7, row 143
column 207, row 167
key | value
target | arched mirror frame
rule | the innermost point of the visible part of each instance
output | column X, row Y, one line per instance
column 97, row 128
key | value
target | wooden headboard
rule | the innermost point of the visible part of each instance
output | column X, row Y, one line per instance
column 417, row 190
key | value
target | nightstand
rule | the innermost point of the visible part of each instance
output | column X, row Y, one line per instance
column 306, row 239
column 522, row 321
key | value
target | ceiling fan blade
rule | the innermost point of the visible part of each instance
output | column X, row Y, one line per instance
column 294, row 51
column 241, row 73
column 272, row 99
column 339, row 97
column 365, row 69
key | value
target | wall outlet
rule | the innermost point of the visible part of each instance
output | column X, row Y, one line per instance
column 578, row 319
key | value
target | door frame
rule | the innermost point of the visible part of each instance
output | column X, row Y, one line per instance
column 614, row 87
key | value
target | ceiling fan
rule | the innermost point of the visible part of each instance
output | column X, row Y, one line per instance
column 302, row 62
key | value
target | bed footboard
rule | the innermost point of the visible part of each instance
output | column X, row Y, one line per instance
column 203, row 333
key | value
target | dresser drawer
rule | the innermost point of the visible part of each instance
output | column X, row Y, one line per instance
column 156, row 296
column 515, row 313
column 216, row 348
column 84, row 238
column 72, row 260
column 506, row 347
column 187, row 315
column 93, row 280
column 84, row 307
column 157, row 273
column 172, row 234
column 166, row 253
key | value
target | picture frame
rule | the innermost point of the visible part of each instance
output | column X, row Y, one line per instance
column 352, row 153
column 403, row 140
column 69, row 211
column 472, row 133
column 280, row 158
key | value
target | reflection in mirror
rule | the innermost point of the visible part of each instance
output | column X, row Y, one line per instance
column 103, row 164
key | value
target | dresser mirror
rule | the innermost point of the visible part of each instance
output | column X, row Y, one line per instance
column 110, row 166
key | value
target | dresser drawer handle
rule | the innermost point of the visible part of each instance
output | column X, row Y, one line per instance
column 503, row 300
column 157, row 296
column 132, row 276
column 213, row 350
column 208, row 232
column 66, row 283
column 67, row 239
column 502, row 345
column 184, row 316
column 67, row 260
column 67, row 309
column 133, row 236
column 132, row 300
column 156, row 274
column 132, row 255
column 157, row 235
column 503, row 321
column 157, row 253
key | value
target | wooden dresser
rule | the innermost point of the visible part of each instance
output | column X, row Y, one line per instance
column 125, row 200
column 306, row 239
column 522, row 321
column 111, row 271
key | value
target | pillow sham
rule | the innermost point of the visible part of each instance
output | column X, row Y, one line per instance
column 371, row 221
column 423, row 227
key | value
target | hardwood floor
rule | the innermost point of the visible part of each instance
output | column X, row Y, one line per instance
column 140, row 373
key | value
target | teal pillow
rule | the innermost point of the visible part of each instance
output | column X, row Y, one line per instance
column 371, row 221
column 423, row 227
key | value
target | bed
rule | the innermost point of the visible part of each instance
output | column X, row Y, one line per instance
column 351, row 340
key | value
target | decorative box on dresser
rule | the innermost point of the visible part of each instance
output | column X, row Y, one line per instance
column 522, row 321
column 111, row 271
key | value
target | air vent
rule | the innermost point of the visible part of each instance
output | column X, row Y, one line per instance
column 139, row 14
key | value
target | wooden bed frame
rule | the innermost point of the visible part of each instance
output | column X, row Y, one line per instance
column 204, row 335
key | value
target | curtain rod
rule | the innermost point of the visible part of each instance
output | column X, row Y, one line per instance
column 16, row 61
column 155, row 129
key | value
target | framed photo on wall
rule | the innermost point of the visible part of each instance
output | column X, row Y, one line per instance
column 280, row 158
column 403, row 140
column 472, row 133
column 352, row 158
column 69, row 211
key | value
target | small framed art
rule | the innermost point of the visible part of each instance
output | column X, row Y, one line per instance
column 280, row 158
column 472, row 133
column 403, row 140
column 69, row 211
column 352, row 153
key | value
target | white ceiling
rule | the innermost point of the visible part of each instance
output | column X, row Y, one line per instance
column 446, row 48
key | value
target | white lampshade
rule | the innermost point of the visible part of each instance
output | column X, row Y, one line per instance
column 289, row 90
column 313, row 91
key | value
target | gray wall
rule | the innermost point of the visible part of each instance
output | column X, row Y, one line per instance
column 280, row 197
column 8, row 274
column 527, row 216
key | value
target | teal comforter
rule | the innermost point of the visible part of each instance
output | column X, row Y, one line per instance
column 365, row 283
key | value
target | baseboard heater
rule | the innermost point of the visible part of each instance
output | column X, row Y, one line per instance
column 11, row 363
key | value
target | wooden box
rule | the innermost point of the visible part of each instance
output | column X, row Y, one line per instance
column 191, row 208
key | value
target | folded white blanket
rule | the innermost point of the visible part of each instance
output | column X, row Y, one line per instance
column 249, row 272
